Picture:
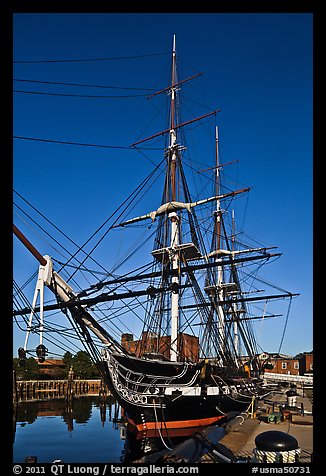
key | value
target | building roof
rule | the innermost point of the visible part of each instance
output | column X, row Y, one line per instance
column 54, row 362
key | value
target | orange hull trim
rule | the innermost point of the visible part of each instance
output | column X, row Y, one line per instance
column 171, row 432
column 152, row 425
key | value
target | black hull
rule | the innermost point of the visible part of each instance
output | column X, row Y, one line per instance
column 186, row 412
column 156, row 393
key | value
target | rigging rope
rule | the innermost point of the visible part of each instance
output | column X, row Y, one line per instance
column 131, row 197
column 82, row 85
column 89, row 96
column 80, row 60
column 285, row 325
column 105, row 146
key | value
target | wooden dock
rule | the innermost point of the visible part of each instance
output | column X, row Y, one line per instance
column 31, row 390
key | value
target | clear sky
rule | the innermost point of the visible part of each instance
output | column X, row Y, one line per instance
column 257, row 70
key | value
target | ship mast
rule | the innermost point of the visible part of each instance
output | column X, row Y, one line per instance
column 218, row 212
column 217, row 191
column 173, row 155
column 235, row 323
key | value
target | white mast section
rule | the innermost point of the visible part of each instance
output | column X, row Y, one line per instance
column 174, row 220
column 44, row 277
column 235, row 323
column 220, row 311
column 174, row 294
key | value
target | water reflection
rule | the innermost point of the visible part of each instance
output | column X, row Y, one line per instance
column 92, row 425
column 85, row 429
column 79, row 409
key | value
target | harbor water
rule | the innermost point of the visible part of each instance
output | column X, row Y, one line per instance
column 88, row 431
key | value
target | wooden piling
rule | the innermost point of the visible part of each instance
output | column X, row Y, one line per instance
column 15, row 391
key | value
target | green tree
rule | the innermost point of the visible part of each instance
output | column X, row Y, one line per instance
column 27, row 370
column 68, row 361
column 83, row 366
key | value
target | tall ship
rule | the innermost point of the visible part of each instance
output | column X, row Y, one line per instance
column 195, row 356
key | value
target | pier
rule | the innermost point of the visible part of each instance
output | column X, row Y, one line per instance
column 273, row 414
column 31, row 390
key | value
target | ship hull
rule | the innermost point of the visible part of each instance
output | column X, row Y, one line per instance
column 156, row 394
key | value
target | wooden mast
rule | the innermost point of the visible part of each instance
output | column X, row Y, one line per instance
column 29, row 246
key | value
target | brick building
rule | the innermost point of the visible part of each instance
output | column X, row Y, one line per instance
column 150, row 343
column 300, row 364
column 306, row 362
column 51, row 368
column 284, row 364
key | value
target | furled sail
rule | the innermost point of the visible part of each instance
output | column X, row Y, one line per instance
column 174, row 206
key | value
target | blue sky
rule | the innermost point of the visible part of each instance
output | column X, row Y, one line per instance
column 257, row 70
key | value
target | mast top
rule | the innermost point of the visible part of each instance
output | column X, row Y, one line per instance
column 173, row 89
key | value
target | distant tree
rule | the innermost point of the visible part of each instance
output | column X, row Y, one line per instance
column 67, row 360
column 15, row 363
column 83, row 366
column 26, row 370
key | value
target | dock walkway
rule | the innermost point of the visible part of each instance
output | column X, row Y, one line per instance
column 241, row 441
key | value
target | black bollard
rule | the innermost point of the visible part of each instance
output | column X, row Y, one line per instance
column 276, row 447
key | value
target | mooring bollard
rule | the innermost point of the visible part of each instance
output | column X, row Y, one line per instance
column 276, row 447
column 292, row 396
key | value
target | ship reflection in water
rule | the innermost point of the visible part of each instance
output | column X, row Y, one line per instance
column 88, row 430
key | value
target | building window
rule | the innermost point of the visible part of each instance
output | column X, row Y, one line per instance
column 284, row 365
column 311, row 366
column 295, row 365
